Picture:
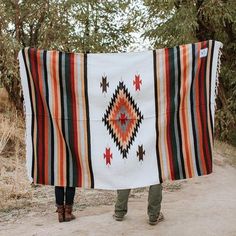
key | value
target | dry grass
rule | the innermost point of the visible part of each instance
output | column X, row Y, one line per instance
column 6, row 132
column 227, row 151
column 4, row 100
column 16, row 192
column 13, row 184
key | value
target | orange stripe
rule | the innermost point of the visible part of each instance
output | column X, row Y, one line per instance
column 57, row 116
column 84, row 119
column 183, row 105
column 188, row 110
column 54, row 105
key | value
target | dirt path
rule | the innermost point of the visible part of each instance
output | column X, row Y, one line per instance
column 204, row 206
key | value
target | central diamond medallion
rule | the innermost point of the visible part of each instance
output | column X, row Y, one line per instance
column 122, row 119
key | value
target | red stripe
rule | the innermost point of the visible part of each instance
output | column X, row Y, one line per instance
column 203, row 111
column 39, row 113
column 45, row 117
column 185, row 121
column 198, row 112
column 44, row 138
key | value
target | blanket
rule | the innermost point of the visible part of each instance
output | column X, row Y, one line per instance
column 119, row 120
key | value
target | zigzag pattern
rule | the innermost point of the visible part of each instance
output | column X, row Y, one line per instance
column 111, row 127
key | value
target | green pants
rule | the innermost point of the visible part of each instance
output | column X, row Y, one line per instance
column 154, row 201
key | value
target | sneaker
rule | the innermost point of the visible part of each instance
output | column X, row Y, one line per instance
column 154, row 221
column 117, row 217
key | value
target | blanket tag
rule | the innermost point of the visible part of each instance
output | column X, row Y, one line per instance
column 203, row 52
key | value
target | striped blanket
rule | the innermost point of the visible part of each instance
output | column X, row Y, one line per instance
column 119, row 120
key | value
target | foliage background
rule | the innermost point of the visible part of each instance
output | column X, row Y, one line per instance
column 114, row 26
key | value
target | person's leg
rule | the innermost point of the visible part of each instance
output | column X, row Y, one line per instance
column 121, row 206
column 70, row 195
column 59, row 195
column 154, row 203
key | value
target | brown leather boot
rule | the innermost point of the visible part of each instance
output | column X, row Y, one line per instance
column 68, row 213
column 61, row 213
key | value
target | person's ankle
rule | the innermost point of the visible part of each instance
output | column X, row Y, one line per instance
column 155, row 219
column 118, row 217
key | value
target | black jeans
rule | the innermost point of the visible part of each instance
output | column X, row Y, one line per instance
column 64, row 192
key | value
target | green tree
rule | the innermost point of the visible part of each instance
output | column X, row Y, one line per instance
column 66, row 25
column 174, row 22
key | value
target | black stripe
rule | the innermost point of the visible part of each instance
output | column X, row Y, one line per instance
column 172, row 131
column 156, row 112
column 209, row 164
column 64, row 117
column 71, row 129
column 33, row 113
column 88, row 120
column 192, row 110
column 178, row 112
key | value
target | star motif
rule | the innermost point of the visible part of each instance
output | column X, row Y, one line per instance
column 108, row 156
column 140, row 153
column 104, row 84
column 137, row 82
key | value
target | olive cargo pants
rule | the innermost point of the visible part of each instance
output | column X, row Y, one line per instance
column 154, row 201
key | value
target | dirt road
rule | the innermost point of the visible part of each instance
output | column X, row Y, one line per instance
column 203, row 206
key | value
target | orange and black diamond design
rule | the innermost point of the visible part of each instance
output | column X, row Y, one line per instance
column 122, row 119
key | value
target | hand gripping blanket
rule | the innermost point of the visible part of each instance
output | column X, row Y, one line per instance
column 119, row 120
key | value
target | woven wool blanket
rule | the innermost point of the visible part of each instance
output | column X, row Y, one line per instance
column 119, row 120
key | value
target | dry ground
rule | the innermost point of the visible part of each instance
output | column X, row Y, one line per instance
column 201, row 206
